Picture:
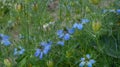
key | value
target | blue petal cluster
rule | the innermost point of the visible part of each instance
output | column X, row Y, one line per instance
column 4, row 39
column 65, row 34
column 78, row 26
column 85, row 20
column 19, row 51
column 87, row 61
column 112, row 10
column 43, row 50
column 118, row 11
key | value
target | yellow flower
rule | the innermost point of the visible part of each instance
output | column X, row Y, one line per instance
column 96, row 26
column 95, row 2
column 50, row 63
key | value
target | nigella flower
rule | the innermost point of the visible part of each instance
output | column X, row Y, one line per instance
column 43, row 49
column 19, row 51
column 78, row 26
column 71, row 30
column 84, row 20
column 4, row 40
column 65, row 34
column 60, row 43
column 118, row 11
column 87, row 61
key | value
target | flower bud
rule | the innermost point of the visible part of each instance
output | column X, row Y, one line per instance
column 35, row 6
column 96, row 26
column 7, row 63
column 68, row 54
column 50, row 63
column 18, row 7
column 88, row 9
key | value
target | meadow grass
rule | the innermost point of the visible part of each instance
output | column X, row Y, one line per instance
column 32, row 28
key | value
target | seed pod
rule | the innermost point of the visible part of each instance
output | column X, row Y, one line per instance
column 95, row 2
column 96, row 26
column 18, row 7
column 35, row 6
column 88, row 9
column 69, row 54
column 50, row 63
column 7, row 63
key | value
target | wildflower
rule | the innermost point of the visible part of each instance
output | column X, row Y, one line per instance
column 87, row 61
column 60, row 43
column 71, row 31
column 78, row 26
column 65, row 34
column 60, row 33
column 44, row 49
column 118, row 11
column 19, row 51
column 84, row 20
column 4, row 40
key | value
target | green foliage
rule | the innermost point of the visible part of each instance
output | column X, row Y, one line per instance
column 39, row 21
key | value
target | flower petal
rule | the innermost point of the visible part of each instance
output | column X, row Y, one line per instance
column 37, row 52
column 60, row 43
column 66, row 36
column 82, row 64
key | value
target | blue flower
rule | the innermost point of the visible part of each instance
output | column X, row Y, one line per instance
column 82, row 59
column 60, row 43
column 92, row 61
column 60, row 33
column 84, row 20
column 5, row 40
column 65, row 34
column 118, row 11
column 88, row 56
column 82, row 64
column 89, row 62
column 71, row 31
column 19, row 51
column 43, row 50
column 78, row 26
